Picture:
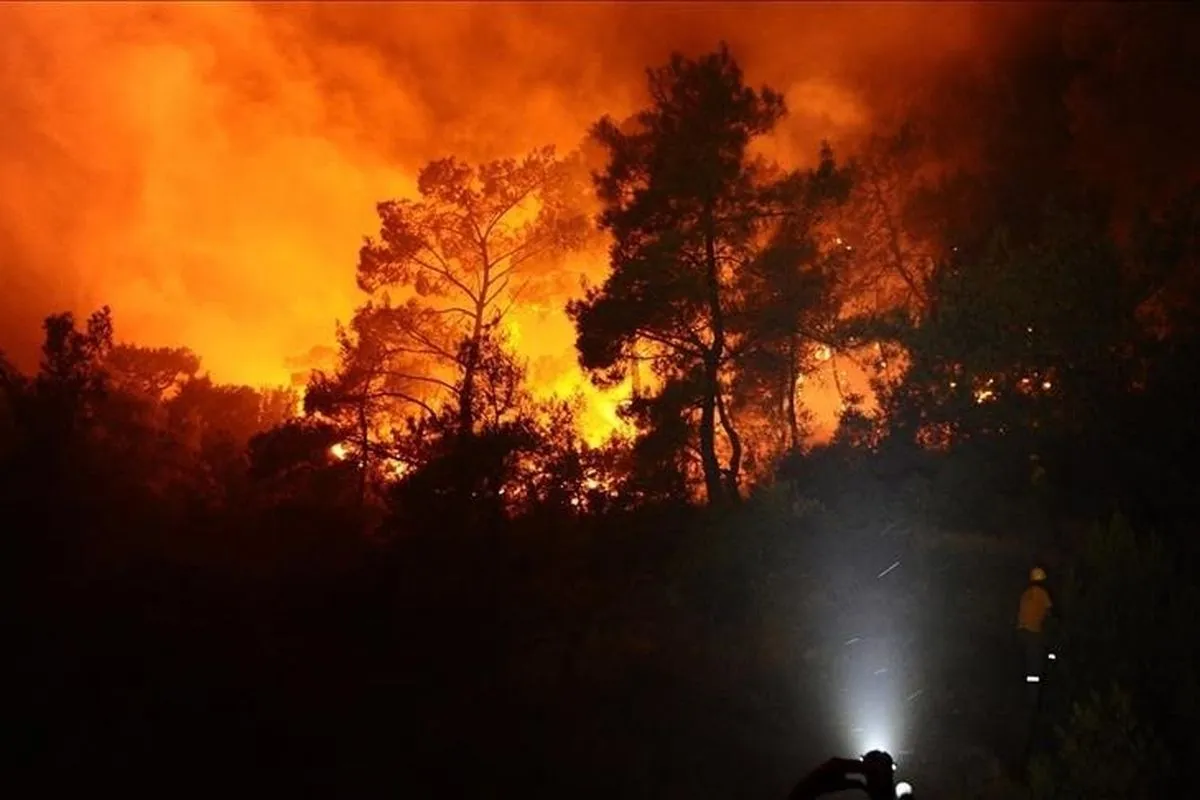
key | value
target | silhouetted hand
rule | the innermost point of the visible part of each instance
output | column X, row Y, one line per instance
column 835, row 775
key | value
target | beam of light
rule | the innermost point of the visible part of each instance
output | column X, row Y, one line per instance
column 873, row 717
column 871, row 669
column 874, row 738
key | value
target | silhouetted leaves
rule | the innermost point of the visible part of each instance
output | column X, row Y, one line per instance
column 683, row 201
column 787, row 302
column 150, row 372
column 479, row 239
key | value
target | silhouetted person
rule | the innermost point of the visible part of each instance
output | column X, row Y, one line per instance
column 1031, row 621
column 873, row 775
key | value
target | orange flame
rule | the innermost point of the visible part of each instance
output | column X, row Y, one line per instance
column 209, row 169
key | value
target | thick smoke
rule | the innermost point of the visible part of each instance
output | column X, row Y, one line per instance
column 209, row 169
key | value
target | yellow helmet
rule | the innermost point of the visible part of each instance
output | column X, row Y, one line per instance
column 1037, row 575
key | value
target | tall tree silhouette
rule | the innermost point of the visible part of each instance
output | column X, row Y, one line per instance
column 787, row 298
column 892, row 257
column 381, row 372
column 465, row 252
column 681, row 198
column 71, row 379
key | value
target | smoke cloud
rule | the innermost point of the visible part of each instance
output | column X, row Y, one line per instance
column 209, row 169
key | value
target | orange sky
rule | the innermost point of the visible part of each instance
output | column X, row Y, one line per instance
column 209, row 169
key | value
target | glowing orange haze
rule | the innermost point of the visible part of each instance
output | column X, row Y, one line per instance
column 209, row 170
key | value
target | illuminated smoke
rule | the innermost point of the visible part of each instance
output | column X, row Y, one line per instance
column 209, row 169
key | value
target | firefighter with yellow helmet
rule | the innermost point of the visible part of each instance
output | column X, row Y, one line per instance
column 1031, row 623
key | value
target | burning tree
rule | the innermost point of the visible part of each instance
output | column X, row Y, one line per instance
column 693, row 216
column 463, row 254
column 788, row 302
column 884, row 224
column 377, row 378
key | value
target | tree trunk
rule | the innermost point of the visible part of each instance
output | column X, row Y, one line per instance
column 837, row 383
column 792, row 419
column 364, row 433
column 708, row 436
column 466, row 394
column 735, row 447
column 712, row 367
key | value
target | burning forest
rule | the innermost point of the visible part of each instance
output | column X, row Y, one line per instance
column 583, row 342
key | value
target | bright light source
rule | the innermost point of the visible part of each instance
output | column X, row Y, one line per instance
column 338, row 451
column 1052, row 656
column 904, row 789
column 874, row 738
column 1046, row 384
column 1032, row 679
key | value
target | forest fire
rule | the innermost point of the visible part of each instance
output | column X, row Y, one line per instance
column 488, row 399
column 220, row 204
